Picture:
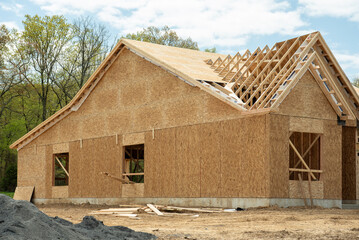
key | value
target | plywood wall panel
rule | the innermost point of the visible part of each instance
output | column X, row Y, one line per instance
column 31, row 169
column 86, row 164
column 208, row 150
column 152, row 167
column 231, row 158
column 108, row 158
column 298, row 124
column 188, row 162
column 168, row 172
column 349, row 163
column 307, row 100
column 332, row 160
column 254, row 165
column 75, row 156
column 279, row 155
column 49, row 172
column 296, row 192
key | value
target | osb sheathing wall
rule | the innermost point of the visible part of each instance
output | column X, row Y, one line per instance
column 223, row 159
column 133, row 96
column 220, row 159
column 349, row 163
column 32, row 169
column 305, row 109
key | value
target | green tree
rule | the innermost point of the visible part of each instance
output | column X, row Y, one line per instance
column 9, row 76
column 44, row 38
column 88, row 49
column 211, row 50
column 163, row 36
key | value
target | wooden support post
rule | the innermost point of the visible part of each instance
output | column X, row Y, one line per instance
column 62, row 166
column 301, row 189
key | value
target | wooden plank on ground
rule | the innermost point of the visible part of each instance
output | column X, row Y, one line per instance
column 119, row 210
column 153, row 208
column 193, row 209
column 125, row 215
column 24, row 193
column 108, row 213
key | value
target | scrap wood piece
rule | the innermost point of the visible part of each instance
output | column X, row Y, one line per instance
column 168, row 208
column 153, row 208
column 108, row 213
column 119, row 210
column 117, row 178
column 125, row 215
column 24, row 193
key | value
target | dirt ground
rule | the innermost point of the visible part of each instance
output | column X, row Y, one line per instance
column 264, row 223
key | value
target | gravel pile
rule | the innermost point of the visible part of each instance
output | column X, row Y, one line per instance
column 22, row 220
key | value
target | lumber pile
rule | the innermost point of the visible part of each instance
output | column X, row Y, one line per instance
column 132, row 212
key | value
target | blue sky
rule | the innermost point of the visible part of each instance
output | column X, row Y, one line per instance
column 229, row 25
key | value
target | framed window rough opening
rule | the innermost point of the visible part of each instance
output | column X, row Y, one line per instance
column 305, row 156
column 61, row 169
column 134, row 163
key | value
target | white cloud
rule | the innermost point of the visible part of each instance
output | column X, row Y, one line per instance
column 349, row 63
column 10, row 25
column 348, row 60
column 12, row 7
column 334, row 8
column 210, row 22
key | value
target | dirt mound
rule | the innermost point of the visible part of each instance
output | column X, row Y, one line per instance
column 22, row 220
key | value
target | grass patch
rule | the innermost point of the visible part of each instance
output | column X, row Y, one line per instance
column 10, row 194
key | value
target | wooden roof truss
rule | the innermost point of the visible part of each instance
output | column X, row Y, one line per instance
column 263, row 79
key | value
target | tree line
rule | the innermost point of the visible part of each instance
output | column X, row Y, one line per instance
column 45, row 65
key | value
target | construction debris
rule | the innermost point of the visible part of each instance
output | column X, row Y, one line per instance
column 153, row 208
column 159, row 210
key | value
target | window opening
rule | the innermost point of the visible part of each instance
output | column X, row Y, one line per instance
column 61, row 169
column 134, row 163
column 304, row 156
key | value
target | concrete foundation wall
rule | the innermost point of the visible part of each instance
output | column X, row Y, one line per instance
column 199, row 202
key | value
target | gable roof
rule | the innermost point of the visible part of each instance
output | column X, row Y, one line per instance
column 250, row 82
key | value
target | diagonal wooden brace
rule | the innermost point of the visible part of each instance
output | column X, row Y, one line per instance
column 307, row 151
column 301, row 159
column 59, row 162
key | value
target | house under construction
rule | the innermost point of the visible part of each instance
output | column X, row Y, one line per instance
column 177, row 126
